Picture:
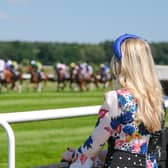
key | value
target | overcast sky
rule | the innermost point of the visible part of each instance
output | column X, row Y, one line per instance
column 82, row 21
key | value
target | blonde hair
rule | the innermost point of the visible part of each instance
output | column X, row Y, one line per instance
column 136, row 72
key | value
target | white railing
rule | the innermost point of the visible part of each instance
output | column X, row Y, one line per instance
column 6, row 118
column 11, row 143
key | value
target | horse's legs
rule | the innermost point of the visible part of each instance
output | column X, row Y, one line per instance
column 19, row 88
column 63, row 84
column 39, row 87
column 20, row 85
column 71, row 84
column 36, row 86
column 0, row 86
column 82, row 85
column 58, row 86
column 13, row 85
column 96, row 83
column 5, row 86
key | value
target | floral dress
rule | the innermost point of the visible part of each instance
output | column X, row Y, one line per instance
column 116, row 118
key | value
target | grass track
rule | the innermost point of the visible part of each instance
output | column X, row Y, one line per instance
column 28, row 101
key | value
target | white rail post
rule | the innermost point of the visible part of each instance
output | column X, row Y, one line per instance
column 11, row 143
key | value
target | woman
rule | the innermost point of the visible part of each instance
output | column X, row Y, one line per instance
column 130, row 115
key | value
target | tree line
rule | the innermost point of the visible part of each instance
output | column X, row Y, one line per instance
column 51, row 52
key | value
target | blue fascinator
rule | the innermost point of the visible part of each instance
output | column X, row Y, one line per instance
column 117, row 44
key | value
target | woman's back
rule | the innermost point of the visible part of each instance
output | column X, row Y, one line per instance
column 129, row 112
column 130, row 134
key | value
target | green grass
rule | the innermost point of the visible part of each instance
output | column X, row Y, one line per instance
column 28, row 101
column 42, row 142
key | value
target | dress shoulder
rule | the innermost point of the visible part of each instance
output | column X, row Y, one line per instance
column 111, row 103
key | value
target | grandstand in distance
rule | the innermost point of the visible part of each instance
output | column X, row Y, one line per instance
column 162, row 72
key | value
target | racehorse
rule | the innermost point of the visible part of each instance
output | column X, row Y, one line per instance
column 76, row 77
column 10, row 78
column 37, row 77
column 62, row 76
column 102, row 79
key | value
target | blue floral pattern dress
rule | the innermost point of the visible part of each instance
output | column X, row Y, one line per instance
column 117, row 118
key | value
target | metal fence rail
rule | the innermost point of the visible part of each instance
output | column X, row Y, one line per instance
column 6, row 118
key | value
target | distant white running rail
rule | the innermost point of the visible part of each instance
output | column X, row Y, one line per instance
column 6, row 118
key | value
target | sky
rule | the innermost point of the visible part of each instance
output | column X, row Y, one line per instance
column 82, row 21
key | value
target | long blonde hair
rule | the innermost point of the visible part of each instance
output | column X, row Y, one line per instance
column 136, row 72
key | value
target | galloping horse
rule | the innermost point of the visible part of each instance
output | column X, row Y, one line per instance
column 79, row 78
column 37, row 77
column 10, row 78
column 102, row 80
column 61, row 75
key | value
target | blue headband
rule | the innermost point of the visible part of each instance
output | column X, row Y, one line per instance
column 117, row 44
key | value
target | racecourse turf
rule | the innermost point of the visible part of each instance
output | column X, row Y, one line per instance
column 42, row 142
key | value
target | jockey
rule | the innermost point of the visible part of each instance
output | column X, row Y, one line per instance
column 72, row 65
column 2, row 67
column 15, row 65
column 89, row 70
column 15, row 68
column 74, row 70
column 34, row 65
column 61, row 67
column 12, row 66
column 104, row 71
column 40, row 70
column 8, row 64
column 86, row 70
column 83, row 69
column 39, row 66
